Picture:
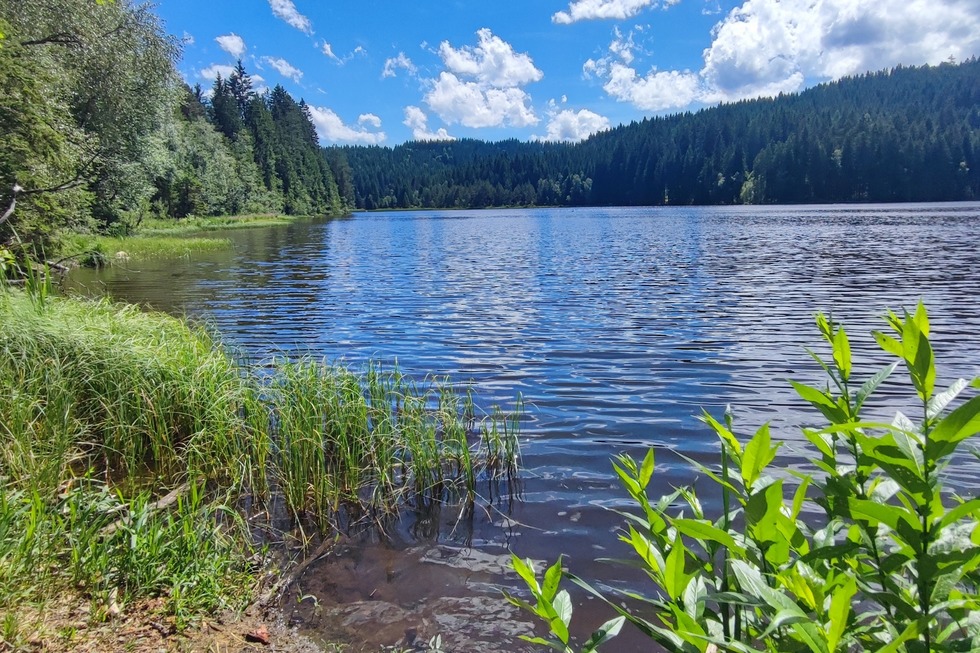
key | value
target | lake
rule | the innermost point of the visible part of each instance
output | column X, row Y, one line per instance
column 617, row 326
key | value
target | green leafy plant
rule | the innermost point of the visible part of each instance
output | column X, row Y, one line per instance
column 871, row 552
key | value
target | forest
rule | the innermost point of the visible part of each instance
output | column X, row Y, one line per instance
column 99, row 131
column 908, row 134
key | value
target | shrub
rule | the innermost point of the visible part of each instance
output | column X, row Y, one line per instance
column 885, row 558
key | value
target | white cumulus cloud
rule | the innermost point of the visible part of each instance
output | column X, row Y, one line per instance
column 369, row 119
column 284, row 68
column 766, row 47
column 655, row 91
column 481, row 85
column 392, row 64
column 472, row 105
column 572, row 126
column 776, row 45
column 330, row 127
column 492, row 62
column 605, row 9
column 232, row 43
column 286, row 10
column 418, row 122
column 215, row 69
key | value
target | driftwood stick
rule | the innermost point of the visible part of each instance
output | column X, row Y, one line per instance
column 288, row 579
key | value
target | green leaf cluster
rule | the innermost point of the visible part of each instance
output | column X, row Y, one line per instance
column 99, row 133
column 871, row 552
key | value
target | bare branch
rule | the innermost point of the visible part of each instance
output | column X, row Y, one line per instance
column 13, row 203
column 78, row 180
column 61, row 38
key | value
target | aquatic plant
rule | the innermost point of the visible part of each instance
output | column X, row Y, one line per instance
column 130, row 440
column 93, row 250
column 871, row 551
column 370, row 442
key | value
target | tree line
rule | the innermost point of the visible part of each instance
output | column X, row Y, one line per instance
column 903, row 135
column 98, row 131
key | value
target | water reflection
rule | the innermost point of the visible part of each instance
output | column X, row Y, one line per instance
column 617, row 325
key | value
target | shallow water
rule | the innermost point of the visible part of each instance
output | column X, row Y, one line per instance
column 616, row 325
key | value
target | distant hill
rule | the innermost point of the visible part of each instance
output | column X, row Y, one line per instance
column 904, row 135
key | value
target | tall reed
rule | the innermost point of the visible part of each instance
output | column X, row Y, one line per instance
column 371, row 441
column 105, row 409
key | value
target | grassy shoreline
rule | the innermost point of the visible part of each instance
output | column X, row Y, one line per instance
column 162, row 239
column 126, row 438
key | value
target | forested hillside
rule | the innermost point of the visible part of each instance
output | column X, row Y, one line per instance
column 98, row 131
column 908, row 134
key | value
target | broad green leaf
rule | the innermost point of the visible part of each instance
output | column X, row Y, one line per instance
column 962, row 423
column 810, row 634
column 689, row 629
column 954, row 515
column 823, row 325
column 821, row 401
column 822, row 441
column 868, row 387
column 813, row 395
column 525, row 569
column 842, row 353
column 938, row 403
column 694, row 597
column 762, row 510
column 823, row 365
column 750, row 580
column 563, row 608
column 884, row 490
column 918, row 357
column 646, row 469
column 908, row 442
column 552, row 578
column 646, row 550
column 674, row 577
column 544, row 642
column 898, row 643
column 604, row 633
column 922, row 318
column 889, row 344
column 705, row 531
column 727, row 437
column 628, row 482
column 799, row 497
column 792, row 580
column 782, row 619
column 757, row 455
column 891, row 516
column 840, row 610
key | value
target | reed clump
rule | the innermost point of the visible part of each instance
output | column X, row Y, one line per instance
column 372, row 442
column 93, row 250
column 126, row 437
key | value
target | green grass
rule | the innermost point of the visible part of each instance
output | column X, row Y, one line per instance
column 104, row 409
column 192, row 225
column 159, row 239
column 96, row 251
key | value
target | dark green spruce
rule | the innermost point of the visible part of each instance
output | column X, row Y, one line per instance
column 908, row 134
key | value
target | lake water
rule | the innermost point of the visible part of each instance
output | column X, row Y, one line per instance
column 616, row 325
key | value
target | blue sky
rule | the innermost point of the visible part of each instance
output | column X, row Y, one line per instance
column 383, row 72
